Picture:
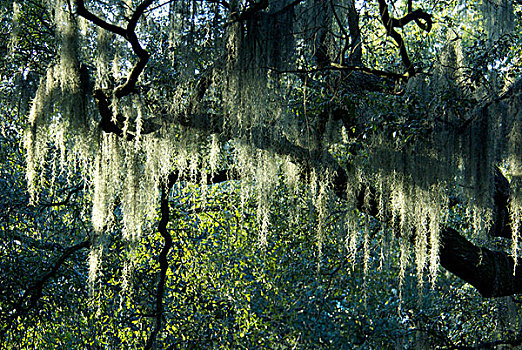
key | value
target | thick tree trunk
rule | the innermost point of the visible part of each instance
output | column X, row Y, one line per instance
column 492, row 273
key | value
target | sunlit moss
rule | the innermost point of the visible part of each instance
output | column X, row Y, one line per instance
column 404, row 175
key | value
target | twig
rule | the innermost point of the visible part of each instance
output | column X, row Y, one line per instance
column 66, row 200
column 350, row 68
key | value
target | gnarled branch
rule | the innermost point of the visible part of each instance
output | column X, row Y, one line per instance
column 391, row 23
column 129, row 33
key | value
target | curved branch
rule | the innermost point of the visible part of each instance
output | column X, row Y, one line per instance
column 414, row 16
column 163, row 262
column 35, row 291
column 67, row 199
column 129, row 34
column 215, row 178
column 347, row 68
column 143, row 55
column 128, row 87
column 91, row 17
column 391, row 23
column 492, row 273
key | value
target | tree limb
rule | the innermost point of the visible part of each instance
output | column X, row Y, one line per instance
column 347, row 68
column 34, row 292
column 83, row 12
column 67, row 199
column 492, row 273
column 163, row 262
column 391, row 23
column 129, row 34
column 249, row 12
column 414, row 16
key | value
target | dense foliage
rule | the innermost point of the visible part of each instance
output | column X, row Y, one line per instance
column 274, row 174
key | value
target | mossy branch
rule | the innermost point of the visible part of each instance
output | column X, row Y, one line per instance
column 492, row 273
column 129, row 33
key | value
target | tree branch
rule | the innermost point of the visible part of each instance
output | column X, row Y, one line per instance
column 249, row 12
column 67, row 199
column 414, row 16
column 83, row 12
column 163, row 262
column 34, row 292
column 130, row 35
column 212, row 178
column 492, row 273
column 391, row 23
column 347, row 68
